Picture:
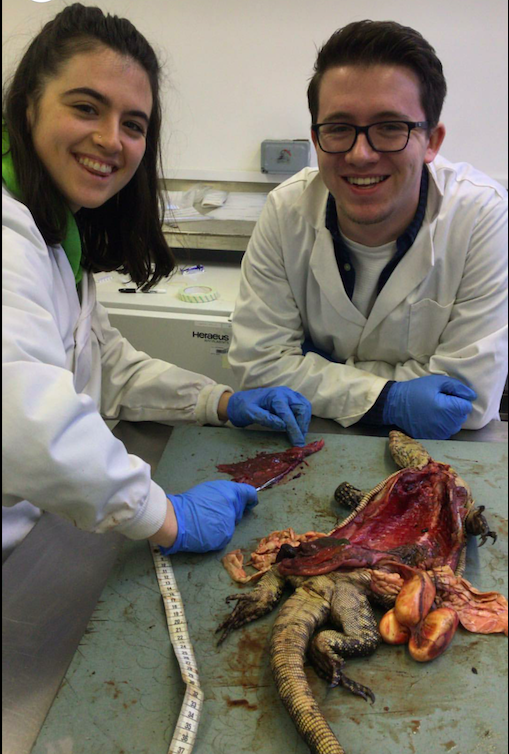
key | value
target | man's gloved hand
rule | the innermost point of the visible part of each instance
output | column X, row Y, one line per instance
column 273, row 407
column 432, row 407
column 207, row 514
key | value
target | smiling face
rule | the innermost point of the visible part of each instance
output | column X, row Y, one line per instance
column 90, row 123
column 374, row 213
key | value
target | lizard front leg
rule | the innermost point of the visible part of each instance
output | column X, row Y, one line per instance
column 348, row 495
column 476, row 524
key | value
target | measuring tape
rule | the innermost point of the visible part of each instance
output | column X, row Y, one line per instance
column 187, row 723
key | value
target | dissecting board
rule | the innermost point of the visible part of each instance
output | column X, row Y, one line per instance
column 123, row 691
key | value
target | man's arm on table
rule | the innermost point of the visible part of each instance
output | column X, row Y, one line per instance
column 269, row 334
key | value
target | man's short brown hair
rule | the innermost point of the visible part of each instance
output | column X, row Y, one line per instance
column 365, row 43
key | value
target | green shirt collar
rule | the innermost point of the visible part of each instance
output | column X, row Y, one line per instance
column 72, row 241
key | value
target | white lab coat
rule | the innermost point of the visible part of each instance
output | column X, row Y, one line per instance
column 64, row 368
column 442, row 311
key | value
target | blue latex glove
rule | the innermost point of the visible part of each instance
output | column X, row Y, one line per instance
column 274, row 407
column 207, row 514
column 432, row 407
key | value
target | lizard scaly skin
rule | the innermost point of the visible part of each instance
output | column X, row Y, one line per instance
column 336, row 598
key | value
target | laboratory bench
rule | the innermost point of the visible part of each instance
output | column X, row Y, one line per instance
column 87, row 662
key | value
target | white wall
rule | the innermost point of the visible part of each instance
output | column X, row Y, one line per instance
column 237, row 71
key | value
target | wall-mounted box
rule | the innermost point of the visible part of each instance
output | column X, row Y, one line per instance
column 284, row 156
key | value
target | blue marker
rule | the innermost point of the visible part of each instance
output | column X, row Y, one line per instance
column 190, row 270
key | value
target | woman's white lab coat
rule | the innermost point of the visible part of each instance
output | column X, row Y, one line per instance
column 63, row 367
column 442, row 311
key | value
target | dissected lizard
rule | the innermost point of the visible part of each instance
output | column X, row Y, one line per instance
column 403, row 547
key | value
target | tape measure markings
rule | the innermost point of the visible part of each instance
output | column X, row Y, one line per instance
column 187, row 724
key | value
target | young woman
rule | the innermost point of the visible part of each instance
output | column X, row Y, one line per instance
column 80, row 152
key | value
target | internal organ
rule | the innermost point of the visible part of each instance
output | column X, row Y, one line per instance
column 416, row 517
column 425, row 507
column 269, row 467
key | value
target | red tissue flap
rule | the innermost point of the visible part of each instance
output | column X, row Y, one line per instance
column 266, row 467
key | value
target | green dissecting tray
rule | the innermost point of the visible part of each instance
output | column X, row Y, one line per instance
column 122, row 692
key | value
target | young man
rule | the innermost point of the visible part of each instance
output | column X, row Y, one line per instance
column 377, row 284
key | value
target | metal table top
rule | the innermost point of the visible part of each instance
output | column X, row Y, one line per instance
column 122, row 690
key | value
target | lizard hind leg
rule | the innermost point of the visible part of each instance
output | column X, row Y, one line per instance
column 252, row 605
column 329, row 664
column 359, row 635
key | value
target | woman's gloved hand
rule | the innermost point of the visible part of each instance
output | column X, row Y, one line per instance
column 432, row 407
column 206, row 515
column 274, row 407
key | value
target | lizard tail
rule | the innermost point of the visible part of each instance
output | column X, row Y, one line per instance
column 296, row 623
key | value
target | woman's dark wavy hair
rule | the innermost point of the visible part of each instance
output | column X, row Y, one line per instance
column 367, row 43
column 125, row 233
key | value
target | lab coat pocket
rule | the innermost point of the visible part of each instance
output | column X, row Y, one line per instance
column 427, row 322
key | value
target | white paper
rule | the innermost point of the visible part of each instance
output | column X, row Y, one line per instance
column 236, row 205
column 240, row 205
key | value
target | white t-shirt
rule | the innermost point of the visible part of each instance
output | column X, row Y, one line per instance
column 368, row 262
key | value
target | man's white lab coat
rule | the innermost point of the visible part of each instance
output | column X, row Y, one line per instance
column 442, row 311
column 64, row 366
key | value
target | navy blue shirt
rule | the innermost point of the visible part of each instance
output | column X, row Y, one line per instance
column 403, row 243
column 347, row 270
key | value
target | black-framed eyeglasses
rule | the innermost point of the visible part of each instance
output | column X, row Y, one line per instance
column 386, row 136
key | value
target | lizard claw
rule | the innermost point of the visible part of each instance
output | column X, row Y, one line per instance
column 238, row 597
column 243, row 612
column 252, row 605
column 329, row 664
column 356, row 688
column 485, row 535
column 476, row 524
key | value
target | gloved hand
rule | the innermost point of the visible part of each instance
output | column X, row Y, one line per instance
column 432, row 407
column 273, row 407
column 207, row 514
